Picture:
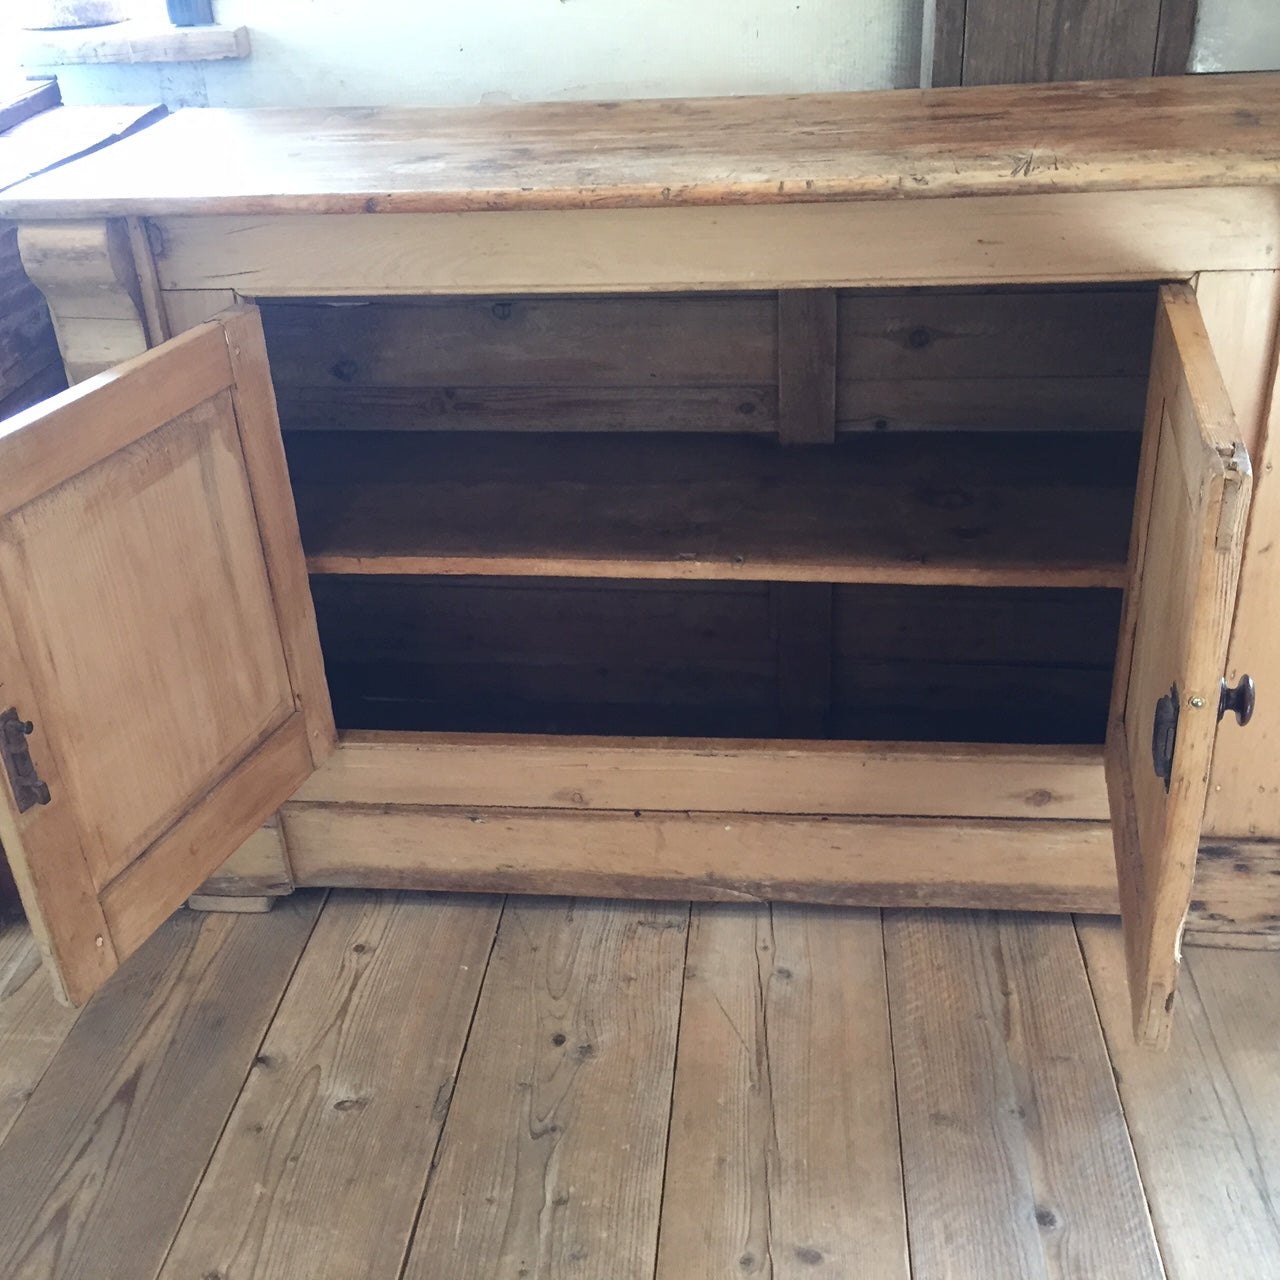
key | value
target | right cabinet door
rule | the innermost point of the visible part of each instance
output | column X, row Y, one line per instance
column 1184, row 563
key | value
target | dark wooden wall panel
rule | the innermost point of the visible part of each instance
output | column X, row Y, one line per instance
column 1020, row 41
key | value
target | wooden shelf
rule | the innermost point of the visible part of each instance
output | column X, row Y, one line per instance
column 965, row 509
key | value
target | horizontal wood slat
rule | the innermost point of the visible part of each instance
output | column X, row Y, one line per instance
column 1006, row 510
column 387, row 769
column 1096, row 236
column 1041, row 866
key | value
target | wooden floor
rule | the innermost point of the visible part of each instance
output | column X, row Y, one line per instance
column 422, row 1086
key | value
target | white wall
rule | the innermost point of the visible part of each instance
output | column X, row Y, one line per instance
column 1237, row 35
column 362, row 52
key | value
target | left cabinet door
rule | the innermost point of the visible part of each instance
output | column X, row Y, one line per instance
column 161, row 685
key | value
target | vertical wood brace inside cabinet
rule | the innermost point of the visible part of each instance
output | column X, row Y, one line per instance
column 807, row 366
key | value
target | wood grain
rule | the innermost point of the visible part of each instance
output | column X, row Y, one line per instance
column 1242, row 317
column 778, row 1165
column 1202, row 1116
column 982, row 509
column 1047, row 866
column 807, row 366
column 1149, row 235
column 33, row 1024
column 518, row 771
column 1015, row 1153
column 277, row 524
column 1184, row 563
column 89, row 277
column 323, row 1161
column 98, row 1171
column 1059, row 40
column 1235, row 900
column 259, row 867
column 645, row 363
column 164, row 652
column 551, row 1160
column 673, row 152
column 1060, row 359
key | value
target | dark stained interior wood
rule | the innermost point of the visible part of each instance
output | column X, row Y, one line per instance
column 990, row 42
column 717, row 659
column 986, row 509
column 979, row 359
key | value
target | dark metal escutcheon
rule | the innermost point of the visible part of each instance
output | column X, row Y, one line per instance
column 1240, row 700
column 28, row 790
column 1164, row 735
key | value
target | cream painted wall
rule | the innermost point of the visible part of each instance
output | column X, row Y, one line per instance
column 344, row 52
column 338, row 52
column 1237, row 35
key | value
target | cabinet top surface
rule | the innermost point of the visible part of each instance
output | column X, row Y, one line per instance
column 1189, row 131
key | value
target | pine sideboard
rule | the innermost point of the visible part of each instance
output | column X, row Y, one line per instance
column 859, row 499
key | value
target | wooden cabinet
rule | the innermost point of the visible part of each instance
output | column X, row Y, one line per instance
column 628, row 582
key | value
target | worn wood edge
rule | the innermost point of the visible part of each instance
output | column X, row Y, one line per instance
column 948, row 148
column 851, row 572
column 740, row 775
column 235, row 904
column 258, row 426
column 1096, row 237
column 1044, row 866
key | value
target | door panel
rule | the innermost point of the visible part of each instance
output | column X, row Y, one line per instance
column 1193, row 493
column 160, row 638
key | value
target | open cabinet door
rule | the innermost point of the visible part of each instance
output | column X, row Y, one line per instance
column 1184, row 562
column 161, row 686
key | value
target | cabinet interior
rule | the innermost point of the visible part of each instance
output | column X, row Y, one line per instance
column 582, row 515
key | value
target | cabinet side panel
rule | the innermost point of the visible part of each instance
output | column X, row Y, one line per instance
column 1242, row 314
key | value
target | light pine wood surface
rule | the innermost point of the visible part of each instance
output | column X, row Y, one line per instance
column 391, row 1085
column 897, row 144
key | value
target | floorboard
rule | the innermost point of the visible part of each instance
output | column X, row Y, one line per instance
column 551, row 1159
column 783, row 1156
column 99, row 1168
column 1017, row 1161
column 1205, row 1116
column 321, row 1168
column 412, row 1086
column 33, row 1024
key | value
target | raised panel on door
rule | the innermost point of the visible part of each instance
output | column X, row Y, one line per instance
column 1192, row 502
column 158, row 637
